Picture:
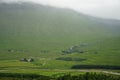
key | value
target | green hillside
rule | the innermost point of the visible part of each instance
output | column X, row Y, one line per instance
column 44, row 33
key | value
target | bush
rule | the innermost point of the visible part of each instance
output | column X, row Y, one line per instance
column 70, row 59
column 95, row 67
column 67, row 76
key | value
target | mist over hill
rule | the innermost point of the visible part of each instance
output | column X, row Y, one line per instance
column 31, row 26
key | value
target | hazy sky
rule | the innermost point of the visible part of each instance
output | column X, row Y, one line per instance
column 99, row 8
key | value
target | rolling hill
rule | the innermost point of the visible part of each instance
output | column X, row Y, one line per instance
column 43, row 32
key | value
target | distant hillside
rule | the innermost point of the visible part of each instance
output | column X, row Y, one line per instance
column 33, row 27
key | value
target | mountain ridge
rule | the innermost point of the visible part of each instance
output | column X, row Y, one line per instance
column 33, row 3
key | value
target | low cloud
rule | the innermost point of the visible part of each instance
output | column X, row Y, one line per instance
column 99, row 8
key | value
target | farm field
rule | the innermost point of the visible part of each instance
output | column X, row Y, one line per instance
column 94, row 54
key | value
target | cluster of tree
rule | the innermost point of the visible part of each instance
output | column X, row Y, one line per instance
column 27, row 60
column 74, row 49
column 95, row 67
column 89, row 76
column 67, row 76
column 44, row 51
column 70, row 59
column 13, row 50
column 14, row 76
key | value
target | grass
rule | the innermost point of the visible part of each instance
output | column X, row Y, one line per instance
column 107, row 48
column 29, row 32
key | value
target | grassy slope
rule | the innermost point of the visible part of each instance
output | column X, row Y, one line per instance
column 35, row 28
